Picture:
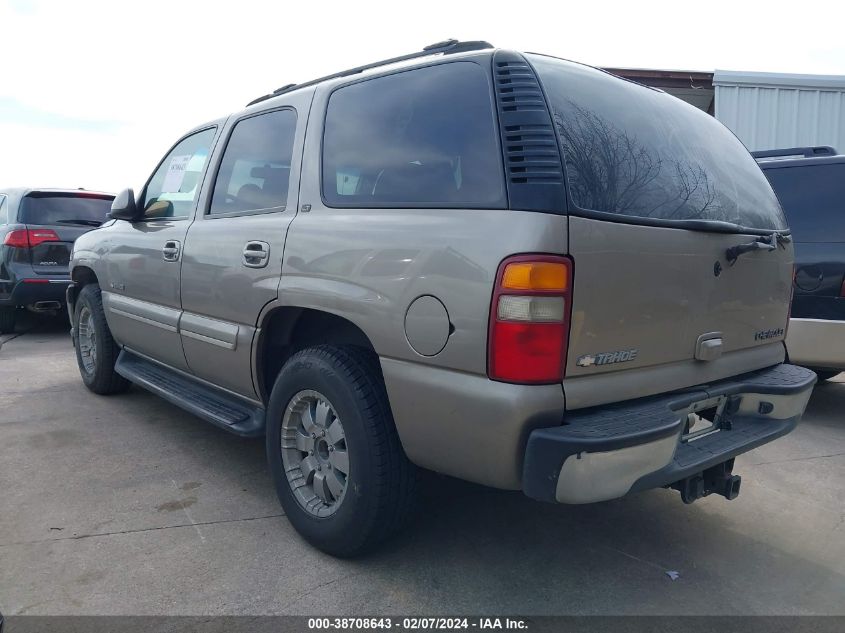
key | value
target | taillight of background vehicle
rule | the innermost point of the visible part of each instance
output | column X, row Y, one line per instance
column 529, row 319
column 27, row 238
column 791, row 297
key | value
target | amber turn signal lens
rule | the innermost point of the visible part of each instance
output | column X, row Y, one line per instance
column 535, row 276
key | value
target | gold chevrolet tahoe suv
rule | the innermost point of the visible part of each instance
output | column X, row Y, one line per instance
column 509, row 268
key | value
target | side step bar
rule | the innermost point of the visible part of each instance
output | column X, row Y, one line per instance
column 222, row 409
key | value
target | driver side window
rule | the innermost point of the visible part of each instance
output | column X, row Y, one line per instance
column 172, row 191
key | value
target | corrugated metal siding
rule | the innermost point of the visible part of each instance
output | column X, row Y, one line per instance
column 769, row 111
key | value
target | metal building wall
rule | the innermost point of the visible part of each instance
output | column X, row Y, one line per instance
column 771, row 110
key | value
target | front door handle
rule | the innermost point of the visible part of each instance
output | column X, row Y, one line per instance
column 256, row 254
column 171, row 250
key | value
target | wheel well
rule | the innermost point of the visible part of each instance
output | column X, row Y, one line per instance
column 288, row 330
column 82, row 276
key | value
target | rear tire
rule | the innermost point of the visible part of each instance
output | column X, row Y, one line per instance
column 8, row 316
column 96, row 351
column 358, row 509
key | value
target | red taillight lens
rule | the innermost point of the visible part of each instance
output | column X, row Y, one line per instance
column 37, row 236
column 18, row 239
column 529, row 319
column 842, row 289
column 791, row 297
column 26, row 238
column 527, row 352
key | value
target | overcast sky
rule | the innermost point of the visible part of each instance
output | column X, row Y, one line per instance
column 92, row 93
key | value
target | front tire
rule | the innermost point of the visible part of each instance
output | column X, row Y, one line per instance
column 96, row 351
column 335, row 457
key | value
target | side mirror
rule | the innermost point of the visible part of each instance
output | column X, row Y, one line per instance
column 123, row 207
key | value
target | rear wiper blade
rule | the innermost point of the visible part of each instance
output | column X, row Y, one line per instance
column 80, row 221
column 721, row 226
column 763, row 243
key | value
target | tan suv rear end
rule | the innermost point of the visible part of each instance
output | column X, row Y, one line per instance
column 664, row 323
column 683, row 271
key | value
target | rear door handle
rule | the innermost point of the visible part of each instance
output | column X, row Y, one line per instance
column 256, row 254
column 171, row 250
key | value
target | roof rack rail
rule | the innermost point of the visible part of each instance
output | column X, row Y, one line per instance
column 446, row 47
column 794, row 152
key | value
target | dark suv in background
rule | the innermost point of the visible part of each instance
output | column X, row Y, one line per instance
column 810, row 182
column 37, row 230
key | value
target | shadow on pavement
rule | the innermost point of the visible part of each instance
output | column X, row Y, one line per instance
column 32, row 323
column 471, row 548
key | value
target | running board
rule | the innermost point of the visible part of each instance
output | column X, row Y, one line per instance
column 222, row 409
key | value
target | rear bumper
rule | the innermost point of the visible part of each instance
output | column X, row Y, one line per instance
column 606, row 452
column 28, row 291
column 816, row 343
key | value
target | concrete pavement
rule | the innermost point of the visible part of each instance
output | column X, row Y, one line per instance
column 127, row 505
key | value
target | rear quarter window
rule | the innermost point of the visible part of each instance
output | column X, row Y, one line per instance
column 418, row 138
column 633, row 151
column 813, row 198
column 49, row 208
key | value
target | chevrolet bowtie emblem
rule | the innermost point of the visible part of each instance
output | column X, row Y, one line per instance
column 586, row 360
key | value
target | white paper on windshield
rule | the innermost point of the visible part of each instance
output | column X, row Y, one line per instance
column 175, row 173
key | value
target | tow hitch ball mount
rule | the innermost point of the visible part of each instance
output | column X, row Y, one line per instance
column 718, row 479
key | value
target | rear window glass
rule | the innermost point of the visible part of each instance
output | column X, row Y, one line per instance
column 424, row 137
column 633, row 151
column 813, row 197
column 83, row 210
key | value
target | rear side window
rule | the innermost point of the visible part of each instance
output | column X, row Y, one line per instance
column 4, row 216
column 173, row 188
column 633, row 151
column 255, row 171
column 813, row 197
column 419, row 138
column 71, row 209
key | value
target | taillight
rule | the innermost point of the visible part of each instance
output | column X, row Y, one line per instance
column 842, row 289
column 37, row 236
column 791, row 297
column 18, row 239
column 26, row 238
column 529, row 319
column 791, row 294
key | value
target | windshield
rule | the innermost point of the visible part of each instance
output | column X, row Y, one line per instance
column 634, row 151
column 64, row 208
